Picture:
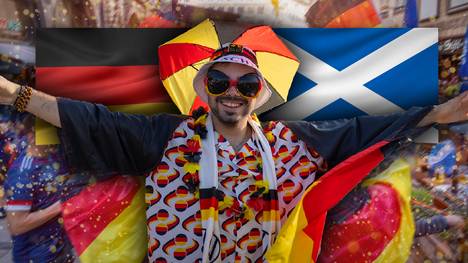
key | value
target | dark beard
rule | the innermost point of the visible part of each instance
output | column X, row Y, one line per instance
column 229, row 119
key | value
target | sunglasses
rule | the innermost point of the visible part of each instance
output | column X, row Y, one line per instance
column 217, row 83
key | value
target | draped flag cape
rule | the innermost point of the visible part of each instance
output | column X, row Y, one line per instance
column 300, row 237
column 106, row 221
column 382, row 230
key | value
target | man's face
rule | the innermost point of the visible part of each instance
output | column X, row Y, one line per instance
column 231, row 107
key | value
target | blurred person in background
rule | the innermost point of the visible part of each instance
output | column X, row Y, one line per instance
column 32, row 181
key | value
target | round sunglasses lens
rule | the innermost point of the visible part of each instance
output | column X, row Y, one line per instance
column 249, row 85
column 217, row 82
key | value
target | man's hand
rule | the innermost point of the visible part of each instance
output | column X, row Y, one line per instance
column 20, row 222
column 8, row 91
column 454, row 110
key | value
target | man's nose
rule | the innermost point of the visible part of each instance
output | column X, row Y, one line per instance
column 232, row 90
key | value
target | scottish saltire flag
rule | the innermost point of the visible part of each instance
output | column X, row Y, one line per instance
column 350, row 72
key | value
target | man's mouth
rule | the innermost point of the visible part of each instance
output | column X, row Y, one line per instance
column 231, row 102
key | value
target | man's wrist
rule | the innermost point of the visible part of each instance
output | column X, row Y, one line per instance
column 15, row 89
column 431, row 118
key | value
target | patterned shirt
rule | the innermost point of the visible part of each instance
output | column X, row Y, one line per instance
column 174, row 223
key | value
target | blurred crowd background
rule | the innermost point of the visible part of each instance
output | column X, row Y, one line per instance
column 440, row 183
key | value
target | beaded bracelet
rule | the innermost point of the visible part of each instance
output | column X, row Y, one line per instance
column 23, row 98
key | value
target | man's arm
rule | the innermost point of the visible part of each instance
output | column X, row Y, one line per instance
column 454, row 110
column 438, row 224
column 42, row 105
column 339, row 139
column 95, row 139
column 20, row 222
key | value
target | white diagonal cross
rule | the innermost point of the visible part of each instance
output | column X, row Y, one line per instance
column 348, row 84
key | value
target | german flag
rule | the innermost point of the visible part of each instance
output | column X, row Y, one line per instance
column 382, row 230
column 105, row 221
column 115, row 67
column 299, row 239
